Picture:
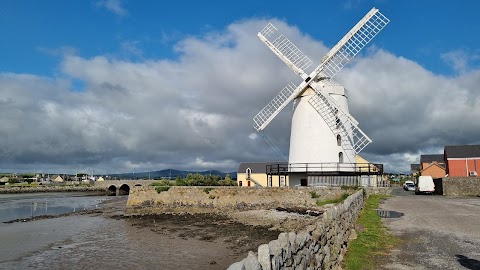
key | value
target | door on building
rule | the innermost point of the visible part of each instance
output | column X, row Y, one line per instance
column 303, row 182
column 248, row 183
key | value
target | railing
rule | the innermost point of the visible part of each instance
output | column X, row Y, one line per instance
column 326, row 168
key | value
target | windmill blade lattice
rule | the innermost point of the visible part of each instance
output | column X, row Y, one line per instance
column 266, row 115
column 285, row 50
column 351, row 44
column 353, row 138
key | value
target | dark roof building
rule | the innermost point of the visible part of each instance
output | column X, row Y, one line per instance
column 415, row 168
column 462, row 151
column 432, row 158
column 462, row 160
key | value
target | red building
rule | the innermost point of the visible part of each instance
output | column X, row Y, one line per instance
column 462, row 160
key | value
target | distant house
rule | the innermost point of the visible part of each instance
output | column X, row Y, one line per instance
column 462, row 160
column 3, row 180
column 432, row 165
column 56, row 178
column 415, row 168
column 100, row 179
column 255, row 173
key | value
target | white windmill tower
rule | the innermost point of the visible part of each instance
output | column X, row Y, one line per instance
column 323, row 131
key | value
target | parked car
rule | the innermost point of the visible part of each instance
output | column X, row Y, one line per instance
column 410, row 187
column 406, row 183
column 425, row 185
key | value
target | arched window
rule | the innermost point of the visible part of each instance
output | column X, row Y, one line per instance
column 249, row 172
column 340, row 157
column 339, row 140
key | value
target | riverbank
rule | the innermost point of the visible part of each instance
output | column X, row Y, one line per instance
column 48, row 188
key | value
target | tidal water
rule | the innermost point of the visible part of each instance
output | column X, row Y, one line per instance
column 30, row 205
column 100, row 240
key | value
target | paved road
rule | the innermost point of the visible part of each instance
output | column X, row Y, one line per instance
column 439, row 232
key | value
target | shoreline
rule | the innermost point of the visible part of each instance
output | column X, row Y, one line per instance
column 46, row 188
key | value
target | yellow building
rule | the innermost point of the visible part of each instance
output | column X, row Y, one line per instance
column 369, row 180
column 251, row 174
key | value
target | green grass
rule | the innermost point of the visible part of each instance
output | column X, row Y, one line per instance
column 314, row 195
column 333, row 201
column 373, row 241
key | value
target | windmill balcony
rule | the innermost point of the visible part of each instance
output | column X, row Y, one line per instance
column 326, row 169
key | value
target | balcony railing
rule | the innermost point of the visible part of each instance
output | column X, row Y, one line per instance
column 325, row 168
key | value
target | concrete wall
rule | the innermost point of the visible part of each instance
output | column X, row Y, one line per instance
column 217, row 199
column 461, row 186
column 319, row 246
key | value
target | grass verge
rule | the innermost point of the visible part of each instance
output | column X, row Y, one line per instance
column 374, row 241
column 333, row 201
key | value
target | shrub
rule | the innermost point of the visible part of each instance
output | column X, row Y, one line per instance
column 162, row 188
column 207, row 190
column 162, row 183
column 314, row 194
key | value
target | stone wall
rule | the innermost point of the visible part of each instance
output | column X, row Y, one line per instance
column 143, row 201
column 319, row 246
column 461, row 186
column 379, row 190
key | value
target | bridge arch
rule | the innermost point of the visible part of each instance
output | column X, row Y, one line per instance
column 112, row 190
column 124, row 190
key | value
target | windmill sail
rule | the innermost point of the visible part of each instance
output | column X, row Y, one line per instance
column 285, row 50
column 266, row 115
column 339, row 122
column 351, row 44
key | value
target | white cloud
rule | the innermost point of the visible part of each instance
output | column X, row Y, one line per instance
column 114, row 6
column 195, row 112
column 460, row 60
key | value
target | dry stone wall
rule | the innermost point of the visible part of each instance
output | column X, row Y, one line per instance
column 319, row 246
column 143, row 201
column 461, row 186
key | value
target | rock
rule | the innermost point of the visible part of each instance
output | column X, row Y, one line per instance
column 264, row 257
column 237, row 266
column 275, row 248
column 251, row 262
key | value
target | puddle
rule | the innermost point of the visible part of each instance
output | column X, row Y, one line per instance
column 388, row 214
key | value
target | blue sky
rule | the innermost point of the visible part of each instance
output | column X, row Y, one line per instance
column 33, row 30
column 119, row 68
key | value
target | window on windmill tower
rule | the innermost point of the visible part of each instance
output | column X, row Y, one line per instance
column 340, row 157
column 339, row 140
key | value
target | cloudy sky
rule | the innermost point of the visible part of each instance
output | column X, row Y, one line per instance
column 122, row 86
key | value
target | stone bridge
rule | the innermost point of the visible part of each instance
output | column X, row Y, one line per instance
column 122, row 187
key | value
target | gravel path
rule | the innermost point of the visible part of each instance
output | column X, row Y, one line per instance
column 438, row 232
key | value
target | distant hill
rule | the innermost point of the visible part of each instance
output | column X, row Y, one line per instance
column 171, row 174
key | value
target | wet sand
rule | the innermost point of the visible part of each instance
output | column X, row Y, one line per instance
column 107, row 240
